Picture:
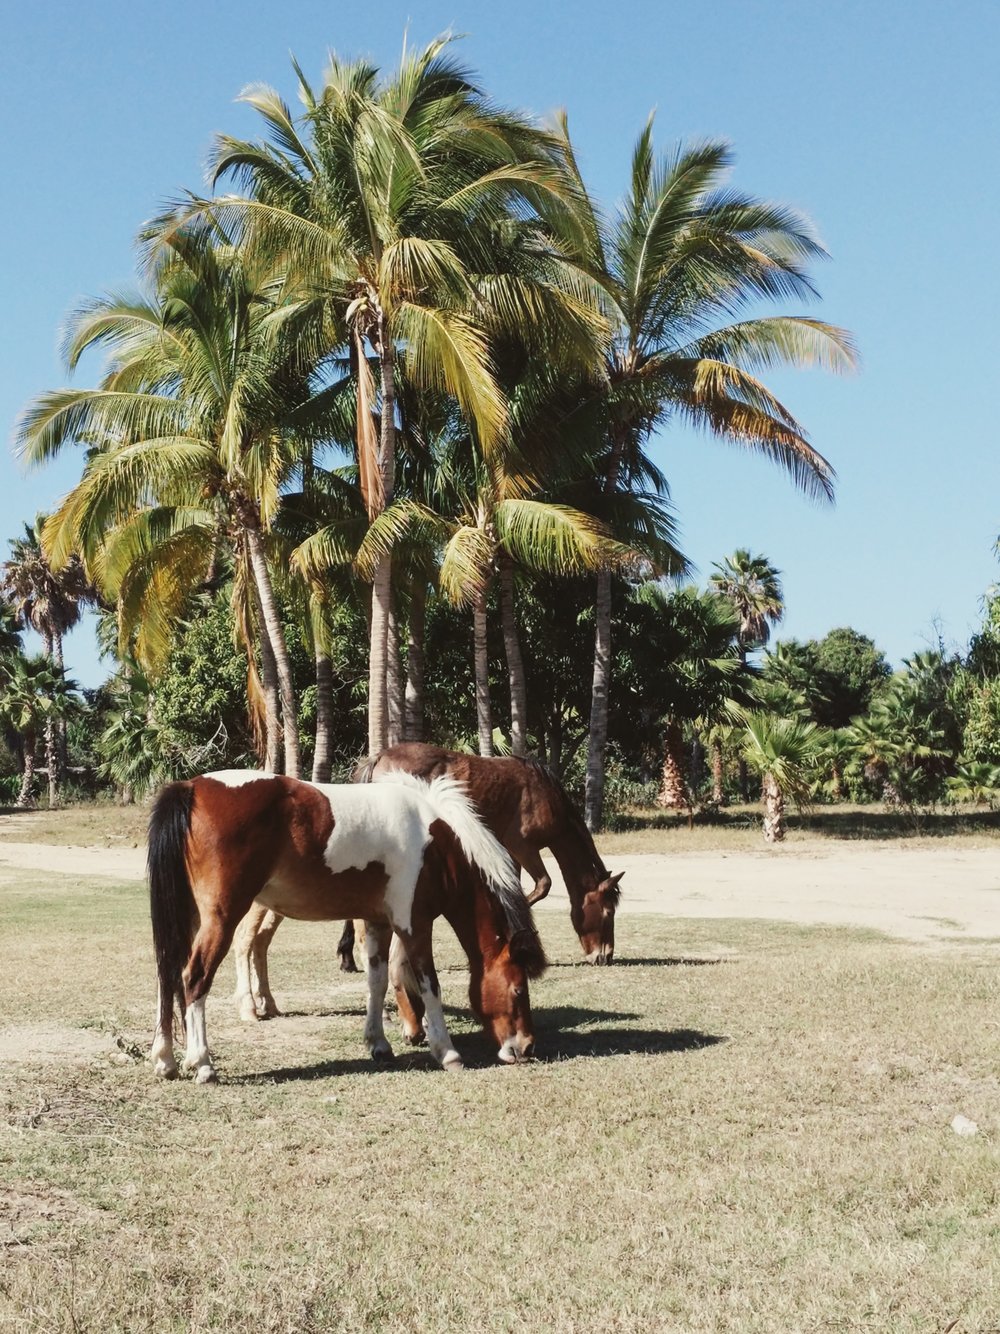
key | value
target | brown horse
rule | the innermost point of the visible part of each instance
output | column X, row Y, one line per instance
column 396, row 855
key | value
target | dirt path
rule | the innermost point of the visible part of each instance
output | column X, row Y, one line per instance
column 921, row 893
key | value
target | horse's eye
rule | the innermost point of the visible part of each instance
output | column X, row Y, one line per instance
column 517, row 992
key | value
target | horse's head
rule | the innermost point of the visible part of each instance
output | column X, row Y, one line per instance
column 594, row 919
column 500, row 998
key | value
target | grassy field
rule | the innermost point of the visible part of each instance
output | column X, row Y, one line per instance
column 745, row 1127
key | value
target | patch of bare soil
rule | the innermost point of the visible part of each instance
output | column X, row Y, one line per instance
column 46, row 1044
column 29, row 1211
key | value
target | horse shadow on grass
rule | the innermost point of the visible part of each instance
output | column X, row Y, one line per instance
column 564, row 1032
column 650, row 961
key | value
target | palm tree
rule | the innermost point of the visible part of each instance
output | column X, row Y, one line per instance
column 194, row 429
column 683, row 257
column 33, row 692
column 753, row 586
column 388, row 194
column 783, row 752
column 51, row 602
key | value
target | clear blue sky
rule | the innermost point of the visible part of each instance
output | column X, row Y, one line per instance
column 881, row 121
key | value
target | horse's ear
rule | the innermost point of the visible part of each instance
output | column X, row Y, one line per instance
column 610, row 893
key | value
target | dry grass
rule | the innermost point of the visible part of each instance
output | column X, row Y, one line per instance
column 746, row 1127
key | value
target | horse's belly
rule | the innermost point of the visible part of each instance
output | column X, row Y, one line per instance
column 324, row 896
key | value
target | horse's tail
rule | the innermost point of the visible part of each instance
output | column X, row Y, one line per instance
column 171, row 902
column 501, row 877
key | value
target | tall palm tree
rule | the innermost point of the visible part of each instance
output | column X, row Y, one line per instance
column 752, row 586
column 387, row 194
column 683, row 257
column 32, row 693
column 50, row 601
column 193, row 430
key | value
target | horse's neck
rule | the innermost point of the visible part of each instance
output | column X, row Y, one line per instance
column 469, row 911
column 578, row 858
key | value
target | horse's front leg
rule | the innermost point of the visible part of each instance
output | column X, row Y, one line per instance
column 377, row 939
column 530, row 859
column 417, row 944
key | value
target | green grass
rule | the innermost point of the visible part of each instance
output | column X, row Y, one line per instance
column 745, row 1127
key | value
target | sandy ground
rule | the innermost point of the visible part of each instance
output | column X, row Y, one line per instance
column 917, row 893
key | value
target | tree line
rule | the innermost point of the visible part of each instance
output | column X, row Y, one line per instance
column 392, row 388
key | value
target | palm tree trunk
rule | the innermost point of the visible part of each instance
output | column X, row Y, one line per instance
column 269, row 688
column 597, row 741
column 271, row 626
column 673, row 787
column 52, row 762
column 774, row 810
column 515, row 662
column 395, row 682
column 24, row 797
column 413, row 724
column 378, row 721
column 324, row 717
column 61, row 748
column 718, row 775
column 483, row 713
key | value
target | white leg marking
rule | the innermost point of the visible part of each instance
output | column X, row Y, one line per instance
column 197, row 1057
column 438, row 1038
column 162, row 1051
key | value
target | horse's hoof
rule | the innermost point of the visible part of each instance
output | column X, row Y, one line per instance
column 383, row 1054
column 347, row 964
column 453, row 1062
column 206, row 1075
column 164, row 1071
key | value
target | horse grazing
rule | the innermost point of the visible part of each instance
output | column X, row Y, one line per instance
column 396, row 855
column 527, row 809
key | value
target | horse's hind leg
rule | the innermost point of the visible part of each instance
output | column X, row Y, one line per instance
column 264, row 1002
column 162, row 1053
column 418, row 949
column 408, row 999
column 210, row 946
column 250, row 944
column 377, row 938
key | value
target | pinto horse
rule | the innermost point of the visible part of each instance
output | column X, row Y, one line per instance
column 527, row 809
column 396, row 855
column 523, row 805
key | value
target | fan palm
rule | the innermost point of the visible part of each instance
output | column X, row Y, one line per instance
column 753, row 586
column 50, row 601
column 684, row 257
column 33, row 692
column 783, row 751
